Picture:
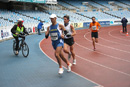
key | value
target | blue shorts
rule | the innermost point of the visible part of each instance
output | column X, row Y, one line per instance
column 57, row 44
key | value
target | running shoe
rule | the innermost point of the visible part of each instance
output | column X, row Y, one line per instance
column 69, row 67
column 74, row 61
column 94, row 49
column 61, row 70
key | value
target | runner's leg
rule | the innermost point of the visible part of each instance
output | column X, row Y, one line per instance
column 72, row 51
column 73, row 54
column 57, row 55
column 66, row 61
column 66, row 50
column 63, row 58
column 93, row 41
column 96, row 40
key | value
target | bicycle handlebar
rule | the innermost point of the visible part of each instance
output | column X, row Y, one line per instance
column 22, row 35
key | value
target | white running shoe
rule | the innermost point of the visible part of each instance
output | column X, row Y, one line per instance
column 61, row 70
column 74, row 61
column 69, row 67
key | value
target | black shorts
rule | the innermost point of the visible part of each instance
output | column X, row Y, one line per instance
column 94, row 34
column 69, row 41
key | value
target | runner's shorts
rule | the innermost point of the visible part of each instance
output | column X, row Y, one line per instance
column 94, row 34
column 69, row 41
column 58, row 43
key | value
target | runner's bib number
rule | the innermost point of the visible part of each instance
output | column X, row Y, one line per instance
column 54, row 36
column 93, row 27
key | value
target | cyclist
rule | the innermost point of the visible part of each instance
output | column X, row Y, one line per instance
column 16, row 30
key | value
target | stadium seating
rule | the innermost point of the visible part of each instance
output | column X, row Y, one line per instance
column 8, row 18
column 120, row 13
column 66, row 5
column 73, row 16
column 99, row 15
column 14, row 16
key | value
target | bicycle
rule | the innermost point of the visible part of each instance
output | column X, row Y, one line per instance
column 23, row 45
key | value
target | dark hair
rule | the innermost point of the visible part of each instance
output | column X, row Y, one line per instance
column 93, row 17
column 66, row 16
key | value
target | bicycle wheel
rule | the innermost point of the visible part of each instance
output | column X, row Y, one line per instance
column 25, row 50
column 14, row 48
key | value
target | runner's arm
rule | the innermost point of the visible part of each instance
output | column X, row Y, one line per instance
column 73, row 30
column 89, row 27
column 99, row 26
column 47, row 32
column 63, row 28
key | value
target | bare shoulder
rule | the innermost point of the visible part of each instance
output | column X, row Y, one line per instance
column 72, row 27
column 61, row 25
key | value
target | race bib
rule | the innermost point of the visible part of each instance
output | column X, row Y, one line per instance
column 54, row 36
column 93, row 27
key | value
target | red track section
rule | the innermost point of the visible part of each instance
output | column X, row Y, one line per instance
column 109, row 65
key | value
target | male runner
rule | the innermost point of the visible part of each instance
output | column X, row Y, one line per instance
column 94, row 26
column 55, row 30
column 68, row 39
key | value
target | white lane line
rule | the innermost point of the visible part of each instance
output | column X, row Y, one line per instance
column 109, row 33
column 103, row 53
column 66, row 68
column 107, row 46
column 103, row 66
column 112, row 41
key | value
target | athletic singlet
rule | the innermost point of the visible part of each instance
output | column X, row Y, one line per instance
column 68, row 28
column 94, row 26
column 55, row 33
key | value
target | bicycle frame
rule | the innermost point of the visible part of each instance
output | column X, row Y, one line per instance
column 21, row 41
column 22, row 46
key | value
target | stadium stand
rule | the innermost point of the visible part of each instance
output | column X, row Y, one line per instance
column 120, row 13
column 13, row 16
column 73, row 16
column 99, row 15
column 78, row 12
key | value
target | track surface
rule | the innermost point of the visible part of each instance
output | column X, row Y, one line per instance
column 109, row 65
column 37, row 70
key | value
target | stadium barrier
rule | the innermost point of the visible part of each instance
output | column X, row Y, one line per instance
column 77, row 25
column 86, row 24
column 5, row 32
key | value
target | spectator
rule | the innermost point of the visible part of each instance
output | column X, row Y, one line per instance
column 40, row 27
column 124, row 24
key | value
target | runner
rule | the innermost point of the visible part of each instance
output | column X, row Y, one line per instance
column 55, row 30
column 94, row 26
column 68, row 39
